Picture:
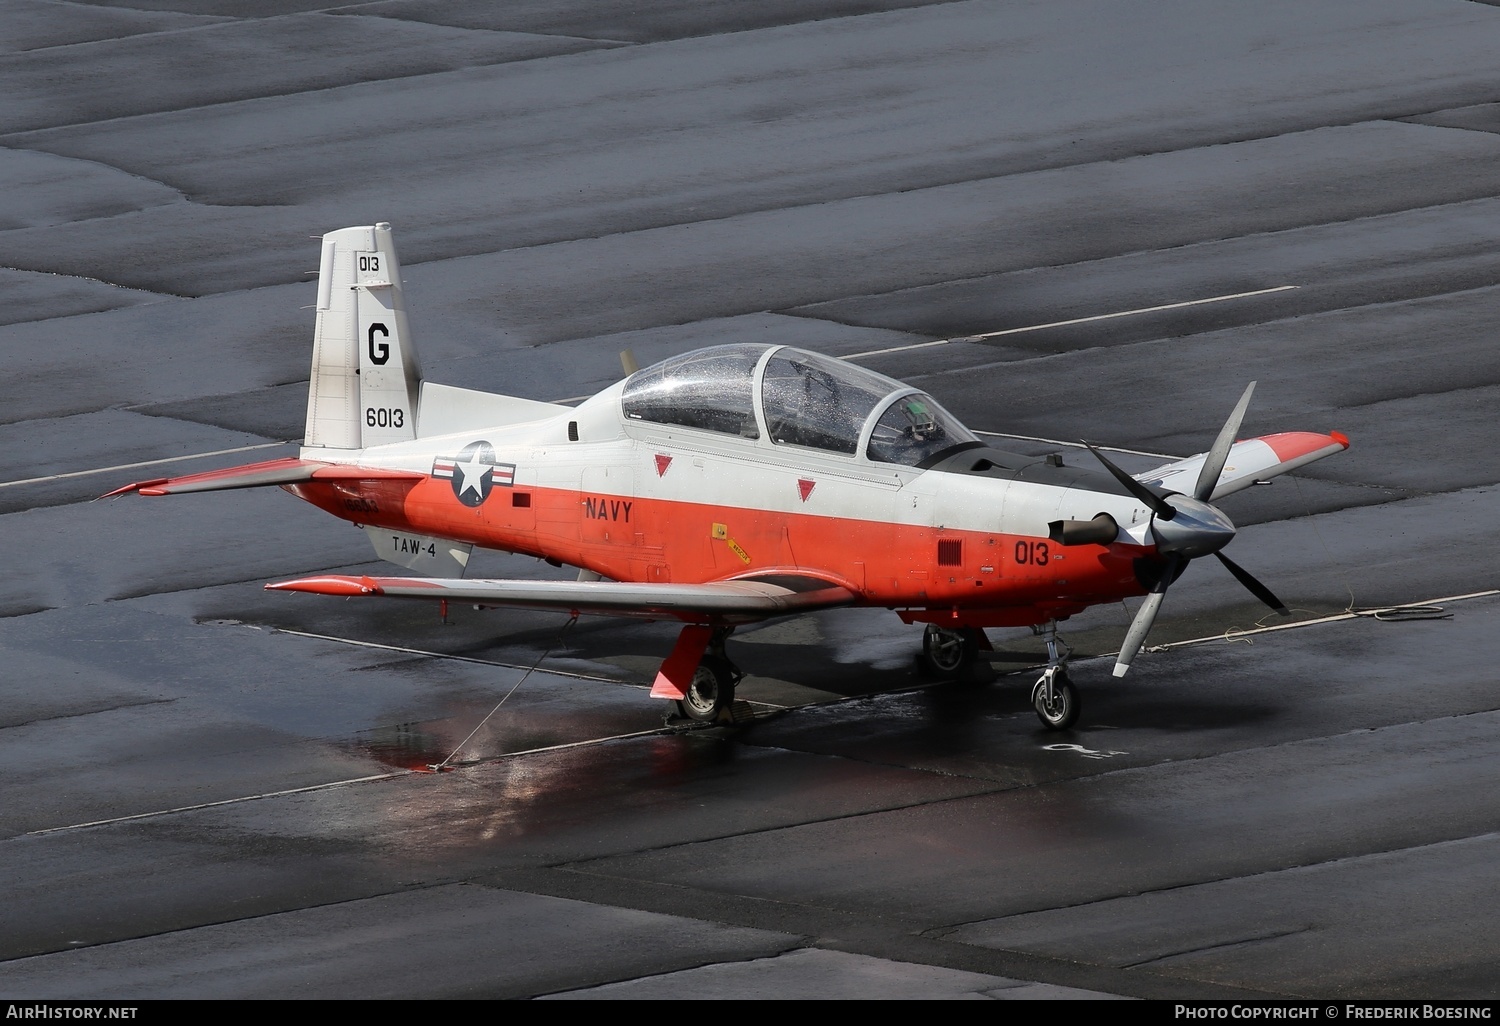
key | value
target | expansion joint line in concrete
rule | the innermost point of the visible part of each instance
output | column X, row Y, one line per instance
column 1424, row 610
column 427, row 653
column 987, row 335
column 136, row 466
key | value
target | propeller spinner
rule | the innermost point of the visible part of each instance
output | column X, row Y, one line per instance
column 1186, row 527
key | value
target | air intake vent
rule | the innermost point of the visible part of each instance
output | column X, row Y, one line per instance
column 951, row 552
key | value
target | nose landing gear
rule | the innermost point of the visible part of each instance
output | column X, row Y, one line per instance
column 1053, row 696
column 1055, row 699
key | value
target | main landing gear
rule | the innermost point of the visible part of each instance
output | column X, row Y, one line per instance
column 1053, row 696
column 947, row 652
column 710, row 695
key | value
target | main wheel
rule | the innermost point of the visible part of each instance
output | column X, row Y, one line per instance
column 945, row 653
column 711, row 693
column 1061, row 712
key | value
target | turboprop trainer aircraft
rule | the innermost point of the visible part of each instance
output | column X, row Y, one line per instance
column 731, row 485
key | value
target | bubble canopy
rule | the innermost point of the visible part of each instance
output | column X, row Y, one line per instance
column 795, row 399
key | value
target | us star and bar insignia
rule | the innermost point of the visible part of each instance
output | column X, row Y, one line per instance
column 474, row 472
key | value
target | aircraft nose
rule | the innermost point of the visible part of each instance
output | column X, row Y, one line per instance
column 1198, row 529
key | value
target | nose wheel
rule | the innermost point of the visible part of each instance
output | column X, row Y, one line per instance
column 1055, row 699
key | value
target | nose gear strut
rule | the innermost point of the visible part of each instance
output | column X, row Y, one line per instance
column 1054, row 697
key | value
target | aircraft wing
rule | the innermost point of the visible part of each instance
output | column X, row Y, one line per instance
column 1252, row 460
column 717, row 602
column 257, row 475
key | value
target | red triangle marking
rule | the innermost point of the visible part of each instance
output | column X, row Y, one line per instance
column 805, row 487
column 662, row 463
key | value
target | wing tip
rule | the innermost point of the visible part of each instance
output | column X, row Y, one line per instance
column 144, row 487
column 1291, row 446
column 343, row 587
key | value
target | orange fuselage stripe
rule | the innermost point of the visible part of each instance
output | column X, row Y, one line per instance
column 938, row 574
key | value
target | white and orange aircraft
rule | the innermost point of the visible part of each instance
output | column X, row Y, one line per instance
column 732, row 485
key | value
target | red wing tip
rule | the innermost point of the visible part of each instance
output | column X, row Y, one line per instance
column 1289, row 445
column 144, row 487
column 339, row 586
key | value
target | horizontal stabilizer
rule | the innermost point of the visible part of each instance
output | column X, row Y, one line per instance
column 260, row 475
column 717, row 602
column 1254, row 459
column 447, row 410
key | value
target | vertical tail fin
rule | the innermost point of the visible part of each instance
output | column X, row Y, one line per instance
column 365, row 375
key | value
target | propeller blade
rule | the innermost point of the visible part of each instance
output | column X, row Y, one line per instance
column 1253, row 586
column 1139, row 628
column 1213, row 466
column 1144, row 618
column 1155, row 503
